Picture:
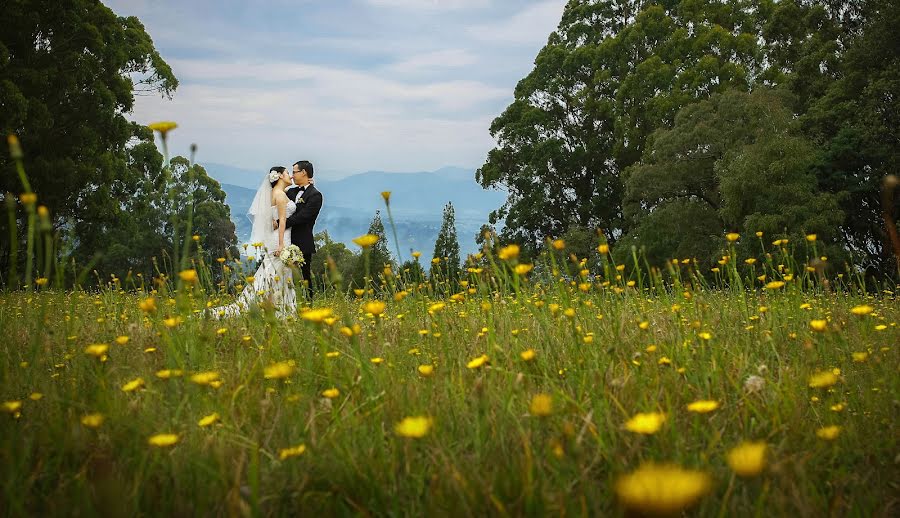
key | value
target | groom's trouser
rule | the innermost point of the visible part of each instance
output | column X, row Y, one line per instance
column 305, row 270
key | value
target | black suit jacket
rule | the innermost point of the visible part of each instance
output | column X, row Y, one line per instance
column 301, row 222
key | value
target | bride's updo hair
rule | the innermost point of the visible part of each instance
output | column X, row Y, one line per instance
column 278, row 170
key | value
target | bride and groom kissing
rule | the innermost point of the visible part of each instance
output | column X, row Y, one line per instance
column 283, row 213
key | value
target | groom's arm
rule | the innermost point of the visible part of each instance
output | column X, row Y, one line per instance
column 307, row 212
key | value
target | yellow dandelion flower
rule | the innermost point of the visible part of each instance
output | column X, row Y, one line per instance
column 527, row 355
column 862, row 310
column 748, row 459
column 823, row 379
column 296, row 451
column 646, row 423
column 508, row 252
column 205, row 378
column 774, row 285
column 860, row 357
column 811, row 238
column 838, row 407
column 437, row 306
column 121, row 340
column 558, row 244
column 414, row 427
column 828, row 433
column 387, row 196
column 366, row 240
column 35, row 396
column 662, row 489
column 359, row 292
column 96, row 350
column 603, row 249
column 41, row 281
column 92, row 420
column 188, row 276
column 732, row 237
column 703, row 406
column 133, row 385
column 541, row 405
column 377, row 360
column 375, row 307
column 331, row 393
column 477, row 362
column 209, row 420
column 12, row 407
column 279, row 370
column 665, row 360
column 522, row 269
column 168, row 373
column 162, row 127
column 147, row 305
column 316, row 315
column 163, row 440
column 425, row 370
column 28, row 198
column 818, row 325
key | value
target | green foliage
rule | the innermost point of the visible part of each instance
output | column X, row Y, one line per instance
column 612, row 73
column 735, row 163
column 447, row 247
column 68, row 73
column 342, row 259
column 375, row 258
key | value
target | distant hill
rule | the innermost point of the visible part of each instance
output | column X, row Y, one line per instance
column 417, row 202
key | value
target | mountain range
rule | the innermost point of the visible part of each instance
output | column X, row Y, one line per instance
column 417, row 203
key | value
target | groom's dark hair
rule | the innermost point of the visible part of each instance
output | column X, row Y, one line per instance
column 305, row 165
column 280, row 170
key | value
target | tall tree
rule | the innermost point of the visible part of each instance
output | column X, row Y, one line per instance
column 857, row 121
column 378, row 254
column 612, row 73
column 737, row 162
column 446, row 248
column 68, row 74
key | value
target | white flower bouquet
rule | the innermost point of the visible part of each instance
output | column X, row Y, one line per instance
column 291, row 255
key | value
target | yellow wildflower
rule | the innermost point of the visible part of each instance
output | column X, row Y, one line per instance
column 188, row 276
column 331, row 393
column 732, row 237
column 426, row 370
column 168, row 373
column 558, row 244
column 148, row 305
column 528, row 355
column 209, row 420
column 823, row 379
column 205, row 378
column 646, row 423
column 603, row 249
column 703, row 406
column 163, row 440
column 862, row 310
column 414, row 427
column 662, row 489
column 121, row 340
column 522, row 269
column 478, row 362
column 508, row 252
column 97, row 350
column 375, row 307
column 541, row 405
column 133, row 385
column 162, row 127
column 279, row 370
column 366, row 240
column 774, row 285
column 296, row 451
column 829, row 433
column 860, row 357
column 819, row 325
column 748, row 459
column 316, row 315
column 92, row 420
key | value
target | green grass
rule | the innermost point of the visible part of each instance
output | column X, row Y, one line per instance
column 484, row 454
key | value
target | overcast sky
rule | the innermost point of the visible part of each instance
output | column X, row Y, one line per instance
column 352, row 85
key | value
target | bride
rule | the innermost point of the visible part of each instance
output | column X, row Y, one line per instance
column 273, row 281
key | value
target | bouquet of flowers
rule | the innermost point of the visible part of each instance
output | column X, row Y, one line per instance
column 291, row 255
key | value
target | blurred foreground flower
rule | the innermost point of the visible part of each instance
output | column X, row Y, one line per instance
column 296, row 451
column 478, row 362
column 162, row 127
column 414, row 427
column 163, row 440
column 92, row 420
column 748, row 459
column 829, row 433
column 279, row 370
column 541, row 405
column 366, row 240
column 646, row 423
column 662, row 489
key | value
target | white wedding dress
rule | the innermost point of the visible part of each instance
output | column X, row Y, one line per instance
column 273, row 281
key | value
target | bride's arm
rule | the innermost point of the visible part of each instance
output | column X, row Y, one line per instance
column 281, row 201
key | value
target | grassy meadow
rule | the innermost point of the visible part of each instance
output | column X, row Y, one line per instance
column 529, row 393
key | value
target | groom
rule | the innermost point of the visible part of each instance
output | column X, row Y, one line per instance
column 309, row 203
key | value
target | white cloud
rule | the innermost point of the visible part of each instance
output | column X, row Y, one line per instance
column 449, row 58
column 528, row 27
column 430, row 4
